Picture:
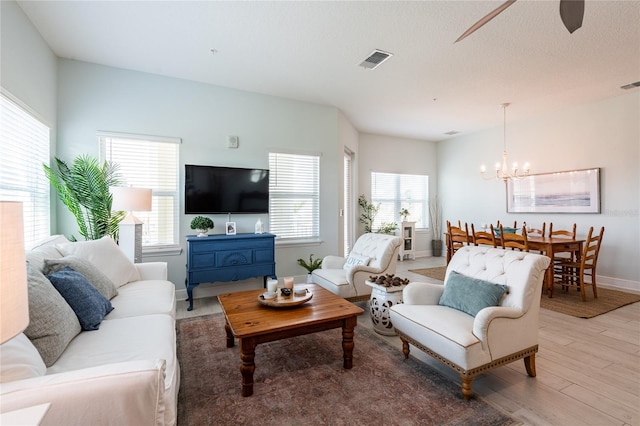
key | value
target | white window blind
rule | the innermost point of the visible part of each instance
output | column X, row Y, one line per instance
column 24, row 148
column 397, row 191
column 149, row 162
column 294, row 196
column 347, row 217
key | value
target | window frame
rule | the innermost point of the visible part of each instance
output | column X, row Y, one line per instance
column 314, row 236
column 154, row 249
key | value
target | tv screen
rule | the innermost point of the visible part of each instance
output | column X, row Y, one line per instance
column 211, row 189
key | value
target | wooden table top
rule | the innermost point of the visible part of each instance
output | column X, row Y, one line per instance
column 248, row 317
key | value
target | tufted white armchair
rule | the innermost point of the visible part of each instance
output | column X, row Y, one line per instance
column 377, row 254
column 497, row 335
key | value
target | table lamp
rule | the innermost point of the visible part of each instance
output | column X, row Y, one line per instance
column 129, row 199
column 14, row 301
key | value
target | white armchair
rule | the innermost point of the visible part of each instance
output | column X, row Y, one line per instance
column 372, row 254
column 504, row 331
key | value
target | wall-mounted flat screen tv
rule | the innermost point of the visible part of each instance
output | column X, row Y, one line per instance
column 217, row 190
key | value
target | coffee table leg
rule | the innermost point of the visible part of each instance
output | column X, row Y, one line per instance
column 347, row 341
column 248, row 366
column 230, row 339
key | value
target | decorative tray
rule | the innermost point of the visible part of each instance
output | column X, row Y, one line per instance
column 286, row 301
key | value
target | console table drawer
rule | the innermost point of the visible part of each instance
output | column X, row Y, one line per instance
column 233, row 258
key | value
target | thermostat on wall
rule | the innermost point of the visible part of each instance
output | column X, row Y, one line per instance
column 232, row 142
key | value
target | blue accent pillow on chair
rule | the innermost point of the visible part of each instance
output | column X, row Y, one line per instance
column 470, row 295
column 86, row 301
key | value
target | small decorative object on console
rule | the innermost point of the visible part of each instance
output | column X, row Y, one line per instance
column 259, row 228
column 388, row 280
column 202, row 224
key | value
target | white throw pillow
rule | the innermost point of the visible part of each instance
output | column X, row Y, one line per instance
column 355, row 260
column 20, row 360
column 106, row 256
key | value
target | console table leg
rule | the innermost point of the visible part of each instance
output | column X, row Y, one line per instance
column 347, row 341
column 248, row 366
column 190, row 297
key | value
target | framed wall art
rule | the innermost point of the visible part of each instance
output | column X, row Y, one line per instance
column 575, row 191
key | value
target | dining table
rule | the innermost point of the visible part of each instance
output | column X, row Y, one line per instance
column 549, row 246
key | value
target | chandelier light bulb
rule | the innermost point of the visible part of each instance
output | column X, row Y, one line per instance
column 502, row 171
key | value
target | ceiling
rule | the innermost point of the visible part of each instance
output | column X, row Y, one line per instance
column 310, row 51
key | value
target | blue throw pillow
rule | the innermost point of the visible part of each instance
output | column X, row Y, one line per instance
column 86, row 301
column 470, row 295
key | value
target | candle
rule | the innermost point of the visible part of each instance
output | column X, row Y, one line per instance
column 272, row 285
column 288, row 282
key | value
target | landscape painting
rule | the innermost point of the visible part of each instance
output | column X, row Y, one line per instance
column 576, row 191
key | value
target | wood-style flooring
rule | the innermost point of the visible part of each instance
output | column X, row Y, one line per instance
column 588, row 370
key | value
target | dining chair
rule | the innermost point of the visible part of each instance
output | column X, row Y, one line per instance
column 514, row 241
column 537, row 232
column 560, row 255
column 575, row 273
column 457, row 237
column 483, row 237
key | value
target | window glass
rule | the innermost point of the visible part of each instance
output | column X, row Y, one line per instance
column 397, row 191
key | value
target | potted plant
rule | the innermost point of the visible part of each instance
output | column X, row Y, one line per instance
column 84, row 189
column 310, row 266
column 435, row 218
column 404, row 213
column 202, row 224
column 369, row 212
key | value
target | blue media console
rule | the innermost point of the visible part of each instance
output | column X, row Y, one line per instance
column 225, row 258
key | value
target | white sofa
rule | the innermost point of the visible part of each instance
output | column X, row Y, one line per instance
column 124, row 373
column 372, row 254
column 471, row 325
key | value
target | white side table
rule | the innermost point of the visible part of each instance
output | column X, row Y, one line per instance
column 382, row 299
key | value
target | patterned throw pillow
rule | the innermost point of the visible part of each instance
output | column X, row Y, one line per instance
column 52, row 322
column 355, row 260
column 95, row 276
column 85, row 300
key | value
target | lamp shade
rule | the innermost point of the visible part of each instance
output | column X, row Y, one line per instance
column 14, row 301
column 130, row 199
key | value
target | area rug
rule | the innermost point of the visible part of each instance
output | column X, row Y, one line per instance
column 436, row 273
column 568, row 302
column 301, row 381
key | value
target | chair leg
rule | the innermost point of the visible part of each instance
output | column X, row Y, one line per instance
column 530, row 365
column 466, row 387
column 405, row 348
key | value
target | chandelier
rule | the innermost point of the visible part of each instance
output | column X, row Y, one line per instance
column 502, row 171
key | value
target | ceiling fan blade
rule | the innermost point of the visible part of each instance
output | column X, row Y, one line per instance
column 486, row 19
column 571, row 13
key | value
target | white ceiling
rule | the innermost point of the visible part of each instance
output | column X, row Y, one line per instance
column 310, row 51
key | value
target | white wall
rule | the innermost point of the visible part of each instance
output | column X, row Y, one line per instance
column 28, row 69
column 94, row 97
column 390, row 154
column 603, row 134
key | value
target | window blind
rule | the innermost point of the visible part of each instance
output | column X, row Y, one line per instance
column 397, row 191
column 294, row 196
column 149, row 162
column 347, row 217
column 24, row 148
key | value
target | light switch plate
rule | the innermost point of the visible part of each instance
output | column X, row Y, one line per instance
column 232, row 142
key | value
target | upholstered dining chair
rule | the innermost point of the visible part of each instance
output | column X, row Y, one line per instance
column 514, row 241
column 484, row 316
column 457, row 237
column 483, row 237
column 581, row 273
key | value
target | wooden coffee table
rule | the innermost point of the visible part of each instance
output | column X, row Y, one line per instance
column 253, row 323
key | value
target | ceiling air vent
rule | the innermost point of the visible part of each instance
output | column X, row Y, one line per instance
column 375, row 58
column 452, row 132
column 630, row 85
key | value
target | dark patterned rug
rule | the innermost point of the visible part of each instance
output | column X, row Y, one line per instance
column 300, row 381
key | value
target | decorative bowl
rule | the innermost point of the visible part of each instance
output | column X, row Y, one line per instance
column 268, row 295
